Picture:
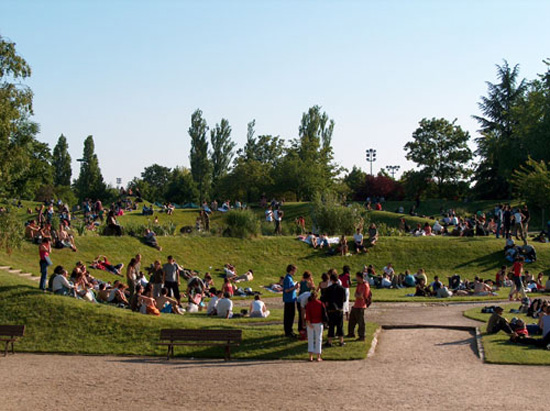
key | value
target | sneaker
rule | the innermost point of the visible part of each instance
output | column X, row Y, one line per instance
column 342, row 344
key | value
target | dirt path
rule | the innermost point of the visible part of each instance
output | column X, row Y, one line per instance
column 429, row 369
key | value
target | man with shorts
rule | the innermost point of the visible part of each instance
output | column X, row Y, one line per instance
column 171, row 278
column 357, row 316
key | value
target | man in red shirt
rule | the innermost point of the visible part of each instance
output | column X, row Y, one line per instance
column 518, row 288
column 357, row 316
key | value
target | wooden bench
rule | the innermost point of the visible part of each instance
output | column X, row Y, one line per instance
column 10, row 334
column 227, row 338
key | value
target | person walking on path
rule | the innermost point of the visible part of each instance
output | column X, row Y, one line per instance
column 44, row 251
column 289, row 298
column 314, row 321
column 334, row 298
column 357, row 315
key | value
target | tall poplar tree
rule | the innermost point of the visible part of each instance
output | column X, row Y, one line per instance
column 198, row 156
column 61, row 162
column 90, row 182
column 222, row 150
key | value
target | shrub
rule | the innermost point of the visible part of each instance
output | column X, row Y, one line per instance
column 11, row 232
column 332, row 218
column 242, row 224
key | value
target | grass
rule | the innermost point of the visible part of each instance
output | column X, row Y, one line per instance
column 498, row 348
column 56, row 324
column 269, row 256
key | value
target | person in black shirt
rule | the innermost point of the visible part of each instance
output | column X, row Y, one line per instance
column 334, row 298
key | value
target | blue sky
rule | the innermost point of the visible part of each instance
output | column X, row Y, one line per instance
column 132, row 72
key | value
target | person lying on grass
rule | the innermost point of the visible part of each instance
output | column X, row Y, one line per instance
column 151, row 239
column 102, row 263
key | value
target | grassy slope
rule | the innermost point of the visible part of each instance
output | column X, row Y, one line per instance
column 498, row 348
column 269, row 256
column 65, row 325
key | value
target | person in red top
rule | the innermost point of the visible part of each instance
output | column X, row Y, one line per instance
column 357, row 316
column 518, row 288
column 314, row 320
column 345, row 279
column 44, row 251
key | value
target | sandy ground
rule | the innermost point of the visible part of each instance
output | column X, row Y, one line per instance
column 411, row 370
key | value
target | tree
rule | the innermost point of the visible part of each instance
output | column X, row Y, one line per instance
column 222, row 150
column 154, row 183
column 198, row 157
column 355, row 180
column 532, row 182
column 499, row 143
column 90, row 182
column 15, row 104
column 266, row 149
column 61, row 162
column 182, row 188
column 441, row 149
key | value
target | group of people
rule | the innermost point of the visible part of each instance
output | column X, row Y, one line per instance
column 327, row 303
column 519, row 331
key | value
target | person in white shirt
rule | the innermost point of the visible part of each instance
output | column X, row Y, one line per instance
column 60, row 284
column 358, row 240
column 437, row 228
column 258, row 308
column 225, row 306
column 389, row 270
column 269, row 215
column 212, row 308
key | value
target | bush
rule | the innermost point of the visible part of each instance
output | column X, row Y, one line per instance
column 332, row 218
column 242, row 224
column 11, row 232
column 388, row 231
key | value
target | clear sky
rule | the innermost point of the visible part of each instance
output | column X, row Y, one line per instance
column 132, row 72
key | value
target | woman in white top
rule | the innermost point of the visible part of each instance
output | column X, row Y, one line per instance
column 258, row 308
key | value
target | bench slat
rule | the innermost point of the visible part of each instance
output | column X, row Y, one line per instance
column 201, row 335
column 12, row 330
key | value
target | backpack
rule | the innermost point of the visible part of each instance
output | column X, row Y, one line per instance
column 368, row 300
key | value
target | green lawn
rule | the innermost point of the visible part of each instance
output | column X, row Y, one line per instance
column 498, row 348
column 58, row 324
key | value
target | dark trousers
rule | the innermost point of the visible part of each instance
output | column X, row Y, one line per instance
column 289, row 314
column 172, row 287
column 335, row 320
column 357, row 317
column 300, row 317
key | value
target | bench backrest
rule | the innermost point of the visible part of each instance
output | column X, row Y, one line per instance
column 12, row 330
column 201, row 335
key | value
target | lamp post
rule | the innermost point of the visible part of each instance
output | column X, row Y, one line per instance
column 371, row 157
column 392, row 170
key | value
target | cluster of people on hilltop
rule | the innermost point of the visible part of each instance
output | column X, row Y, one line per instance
column 536, row 334
column 504, row 221
column 340, row 245
column 327, row 303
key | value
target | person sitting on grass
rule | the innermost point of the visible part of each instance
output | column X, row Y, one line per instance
column 113, row 224
column 102, row 263
column 323, row 241
column 343, row 248
column 258, row 308
column 482, row 288
column 409, row 280
column 32, row 231
column 312, row 239
column 227, row 287
column 436, row 285
column 211, row 309
column 358, row 241
column 230, row 271
column 422, row 290
column 167, row 304
column 225, row 307
column 421, row 275
column 60, row 284
column 64, row 238
column 498, row 323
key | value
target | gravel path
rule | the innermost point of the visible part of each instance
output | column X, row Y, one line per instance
column 429, row 369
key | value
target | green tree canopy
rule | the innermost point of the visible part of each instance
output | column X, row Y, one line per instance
column 440, row 149
column 222, row 150
column 90, row 182
column 61, row 162
column 198, row 156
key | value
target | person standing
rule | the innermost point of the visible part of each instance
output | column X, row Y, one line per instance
column 357, row 316
column 131, row 276
column 44, row 251
column 345, row 279
column 517, row 288
column 156, row 279
column 334, row 298
column 499, row 215
column 314, row 321
column 171, row 278
column 289, row 299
